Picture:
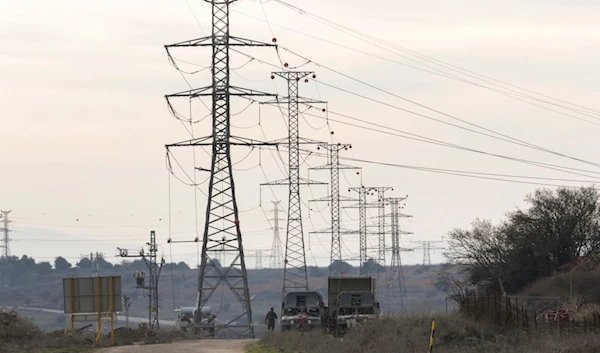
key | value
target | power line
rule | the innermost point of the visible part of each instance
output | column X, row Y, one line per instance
column 442, row 172
column 344, row 29
column 501, row 137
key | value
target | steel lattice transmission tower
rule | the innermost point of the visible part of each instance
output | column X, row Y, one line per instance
column 294, row 265
column 396, row 277
column 276, row 245
column 154, row 268
column 427, row 250
column 334, row 199
column 5, row 257
column 5, row 239
column 222, row 230
column 362, row 225
column 381, row 224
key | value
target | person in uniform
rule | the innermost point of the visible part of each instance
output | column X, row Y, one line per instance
column 270, row 320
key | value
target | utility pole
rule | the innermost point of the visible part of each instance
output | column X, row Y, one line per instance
column 126, row 304
column 396, row 277
column 276, row 245
column 427, row 250
column 96, row 263
column 6, row 240
column 222, row 223
column 334, row 199
column 294, row 265
column 154, row 269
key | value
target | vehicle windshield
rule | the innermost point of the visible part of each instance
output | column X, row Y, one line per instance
column 297, row 303
column 298, row 311
column 353, row 303
column 302, row 300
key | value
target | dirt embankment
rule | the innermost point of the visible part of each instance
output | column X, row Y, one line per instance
column 19, row 334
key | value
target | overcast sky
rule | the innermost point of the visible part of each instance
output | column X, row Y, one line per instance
column 84, row 120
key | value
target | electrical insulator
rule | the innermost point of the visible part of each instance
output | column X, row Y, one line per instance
column 297, row 78
column 306, row 80
column 237, row 221
column 357, row 173
column 323, row 110
column 286, row 65
column 345, row 148
column 332, row 132
column 272, row 77
column 314, row 76
column 318, row 148
column 339, row 144
column 274, row 40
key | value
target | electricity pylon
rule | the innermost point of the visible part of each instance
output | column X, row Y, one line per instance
column 362, row 225
column 5, row 258
column 276, row 245
column 381, row 224
column 222, row 230
column 426, row 245
column 334, row 199
column 396, row 277
column 5, row 239
column 294, row 264
column 154, row 269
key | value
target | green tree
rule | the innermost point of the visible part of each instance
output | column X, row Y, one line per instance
column 557, row 227
column 315, row 271
column 182, row 266
column 44, row 268
column 84, row 263
column 344, row 267
column 61, row 264
column 372, row 267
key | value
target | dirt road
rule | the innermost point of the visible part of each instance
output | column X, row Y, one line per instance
column 202, row 346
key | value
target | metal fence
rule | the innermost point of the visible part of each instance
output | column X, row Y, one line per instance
column 531, row 314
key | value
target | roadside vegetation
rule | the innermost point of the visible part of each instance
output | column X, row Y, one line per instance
column 454, row 334
column 19, row 335
column 550, row 248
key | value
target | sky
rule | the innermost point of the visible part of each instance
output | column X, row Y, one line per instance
column 84, row 120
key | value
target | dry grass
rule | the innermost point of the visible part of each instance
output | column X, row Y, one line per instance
column 454, row 335
column 578, row 282
column 19, row 334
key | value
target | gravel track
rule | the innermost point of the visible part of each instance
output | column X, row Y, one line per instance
column 200, row 346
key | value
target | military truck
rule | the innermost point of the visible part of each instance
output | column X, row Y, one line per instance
column 185, row 318
column 302, row 310
column 352, row 302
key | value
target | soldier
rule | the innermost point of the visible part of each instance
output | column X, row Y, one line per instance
column 270, row 320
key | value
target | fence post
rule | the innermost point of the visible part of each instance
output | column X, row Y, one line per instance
column 431, row 337
column 517, row 310
column 495, row 311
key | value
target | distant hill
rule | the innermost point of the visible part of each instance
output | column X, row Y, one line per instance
column 40, row 285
